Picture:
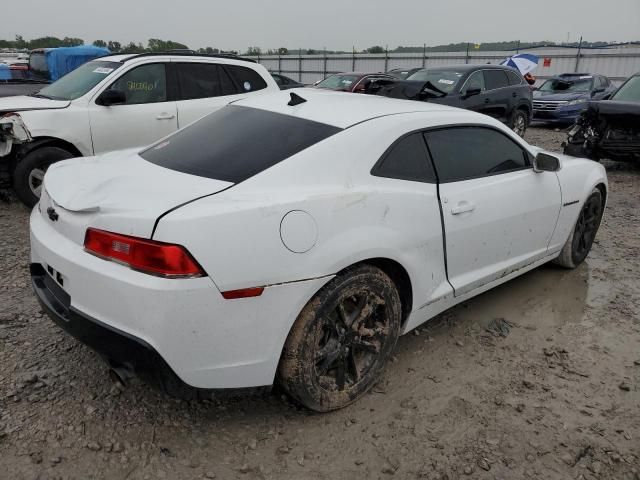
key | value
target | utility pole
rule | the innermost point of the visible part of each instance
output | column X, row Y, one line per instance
column 578, row 55
column 424, row 55
column 353, row 60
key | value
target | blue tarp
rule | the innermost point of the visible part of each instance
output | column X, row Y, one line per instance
column 5, row 73
column 61, row 61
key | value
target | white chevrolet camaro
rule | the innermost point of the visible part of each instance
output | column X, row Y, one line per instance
column 293, row 237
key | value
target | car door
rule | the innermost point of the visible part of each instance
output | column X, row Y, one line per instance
column 149, row 113
column 498, row 214
column 470, row 97
column 205, row 87
column 499, row 94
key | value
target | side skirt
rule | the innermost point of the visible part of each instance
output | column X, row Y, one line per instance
column 430, row 310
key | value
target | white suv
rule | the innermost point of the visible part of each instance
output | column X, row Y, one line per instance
column 113, row 103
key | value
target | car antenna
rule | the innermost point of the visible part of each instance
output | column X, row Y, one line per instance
column 296, row 100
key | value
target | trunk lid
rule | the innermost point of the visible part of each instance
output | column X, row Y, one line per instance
column 119, row 192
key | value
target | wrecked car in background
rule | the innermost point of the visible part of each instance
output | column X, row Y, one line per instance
column 610, row 128
column 561, row 99
column 113, row 103
column 500, row 92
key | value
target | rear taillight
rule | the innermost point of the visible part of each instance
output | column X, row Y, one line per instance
column 147, row 256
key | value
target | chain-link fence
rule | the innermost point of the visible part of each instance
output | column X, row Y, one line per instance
column 617, row 63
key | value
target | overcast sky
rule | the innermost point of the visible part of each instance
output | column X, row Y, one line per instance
column 334, row 24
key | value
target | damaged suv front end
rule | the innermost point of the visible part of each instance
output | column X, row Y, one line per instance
column 610, row 128
column 12, row 131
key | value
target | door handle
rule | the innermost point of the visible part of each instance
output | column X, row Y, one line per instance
column 165, row 116
column 463, row 207
column 514, row 94
column 486, row 100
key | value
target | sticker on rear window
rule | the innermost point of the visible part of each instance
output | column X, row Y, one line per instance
column 103, row 70
column 446, row 82
column 347, row 82
column 247, row 86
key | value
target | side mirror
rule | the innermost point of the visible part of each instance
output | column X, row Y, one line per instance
column 597, row 91
column 316, row 82
column 111, row 97
column 543, row 162
column 471, row 92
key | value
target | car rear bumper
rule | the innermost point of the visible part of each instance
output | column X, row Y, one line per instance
column 180, row 328
column 117, row 348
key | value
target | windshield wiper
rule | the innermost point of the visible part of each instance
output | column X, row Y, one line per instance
column 40, row 95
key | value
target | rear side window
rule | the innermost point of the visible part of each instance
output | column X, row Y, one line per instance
column 202, row 80
column 246, row 78
column 471, row 152
column 407, row 159
column 514, row 78
column 235, row 143
column 495, row 79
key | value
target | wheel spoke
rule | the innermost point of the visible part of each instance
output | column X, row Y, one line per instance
column 367, row 346
column 342, row 314
column 340, row 373
column 330, row 349
column 37, row 174
column 353, row 366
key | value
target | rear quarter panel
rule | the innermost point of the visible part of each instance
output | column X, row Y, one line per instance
column 235, row 235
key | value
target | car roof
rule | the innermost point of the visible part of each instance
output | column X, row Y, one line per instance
column 123, row 57
column 340, row 109
column 469, row 67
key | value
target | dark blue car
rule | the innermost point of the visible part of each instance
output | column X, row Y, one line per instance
column 562, row 98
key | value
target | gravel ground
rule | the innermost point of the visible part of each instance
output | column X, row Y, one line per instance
column 553, row 393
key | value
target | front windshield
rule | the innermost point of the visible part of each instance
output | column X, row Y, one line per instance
column 339, row 82
column 629, row 92
column 78, row 82
column 443, row 80
column 567, row 86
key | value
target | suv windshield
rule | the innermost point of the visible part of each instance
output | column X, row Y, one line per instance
column 235, row 143
column 339, row 82
column 443, row 80
column 567, row 86
column 629, row 92
column 78, row 82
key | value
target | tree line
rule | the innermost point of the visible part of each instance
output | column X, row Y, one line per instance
column 153, row 45
column 158, row 45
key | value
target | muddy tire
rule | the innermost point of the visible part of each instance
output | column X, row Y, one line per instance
column 29, row 172
column 338, row 346
column 579, row 243
column 519, row 122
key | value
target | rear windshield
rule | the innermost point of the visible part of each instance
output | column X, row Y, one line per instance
column 235, row 143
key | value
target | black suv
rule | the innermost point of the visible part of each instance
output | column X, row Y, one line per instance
column 500, row 92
